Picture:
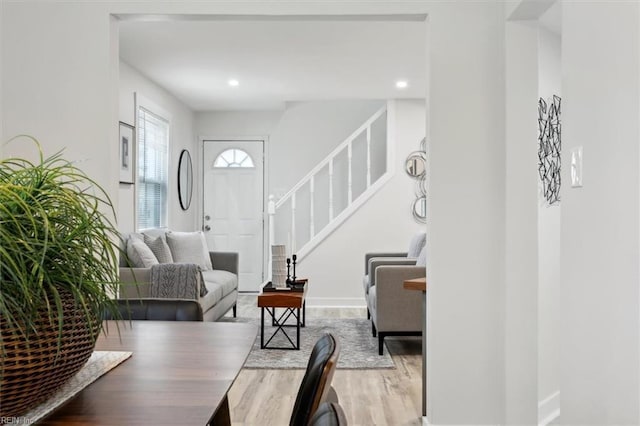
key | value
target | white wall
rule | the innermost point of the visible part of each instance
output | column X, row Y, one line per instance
column 549, row 84
column 533, row 232
column 521, row 296
column 299, row 137
column 221, row 124
column 599, row 298
column 466, row 214
column 182, row 136
column 307, row 132
column 58, row 85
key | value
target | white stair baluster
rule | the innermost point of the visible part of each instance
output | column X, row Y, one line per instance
column 331, row 190
column 293, row 223
column 312, row 227
column 271, row 211
column 350, row 181
column 368, row 156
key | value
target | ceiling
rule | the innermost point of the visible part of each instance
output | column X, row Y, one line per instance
column 277, row 61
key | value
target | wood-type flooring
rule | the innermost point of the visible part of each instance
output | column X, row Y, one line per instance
column 368, row 397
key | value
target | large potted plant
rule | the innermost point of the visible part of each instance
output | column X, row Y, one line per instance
column 58, row 273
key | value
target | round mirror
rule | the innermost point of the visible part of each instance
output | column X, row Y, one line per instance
column 415, row 165
column 185, row 179
column 419, row 209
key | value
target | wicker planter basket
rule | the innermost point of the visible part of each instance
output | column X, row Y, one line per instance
column 29, row 374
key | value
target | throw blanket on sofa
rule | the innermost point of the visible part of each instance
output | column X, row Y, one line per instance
column 175, row 281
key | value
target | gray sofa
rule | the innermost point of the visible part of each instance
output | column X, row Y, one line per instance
column 221, row 282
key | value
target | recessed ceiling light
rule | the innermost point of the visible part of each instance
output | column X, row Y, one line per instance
column 233, row 82
column 402, row 84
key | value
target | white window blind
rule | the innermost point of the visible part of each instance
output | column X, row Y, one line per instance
column 153, row 147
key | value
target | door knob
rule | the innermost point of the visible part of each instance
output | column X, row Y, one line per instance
column 207, row 228
column 207, row 217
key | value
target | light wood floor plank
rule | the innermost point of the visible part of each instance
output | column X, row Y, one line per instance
column 368, row 397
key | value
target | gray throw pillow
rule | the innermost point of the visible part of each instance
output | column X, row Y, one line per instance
column 139, row 254
column 189, row 247
column 159, row 248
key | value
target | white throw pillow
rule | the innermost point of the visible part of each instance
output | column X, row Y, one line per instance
column 422, row 257
column 417, row 242
column 140, row 255
column 189, row 247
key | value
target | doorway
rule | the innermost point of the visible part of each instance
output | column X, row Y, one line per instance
column 233, row 204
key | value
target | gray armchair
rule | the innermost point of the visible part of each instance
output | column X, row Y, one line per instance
column 393, row 310
column 375, row 259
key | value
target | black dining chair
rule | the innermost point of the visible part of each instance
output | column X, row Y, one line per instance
column 157, row 310
column 329, row 414
column 316, row 383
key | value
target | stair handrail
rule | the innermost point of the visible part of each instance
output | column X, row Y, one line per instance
column 330, row 156
column 273, row 205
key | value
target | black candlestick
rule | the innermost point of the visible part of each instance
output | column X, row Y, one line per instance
column 288, row 266
column 294, row 268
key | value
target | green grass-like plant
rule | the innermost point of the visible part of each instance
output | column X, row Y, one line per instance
column 56, row 237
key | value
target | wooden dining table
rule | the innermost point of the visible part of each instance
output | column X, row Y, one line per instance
column 179, row 374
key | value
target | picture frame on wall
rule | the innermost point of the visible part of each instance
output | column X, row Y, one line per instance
column 127, row 156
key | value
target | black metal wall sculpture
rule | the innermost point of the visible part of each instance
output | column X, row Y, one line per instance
column 549, row 146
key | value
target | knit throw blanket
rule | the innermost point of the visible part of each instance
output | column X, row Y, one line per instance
column 176, row 281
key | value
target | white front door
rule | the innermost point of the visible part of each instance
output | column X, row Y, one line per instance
column 234, row 204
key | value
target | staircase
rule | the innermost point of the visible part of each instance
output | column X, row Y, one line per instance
column 346, row 188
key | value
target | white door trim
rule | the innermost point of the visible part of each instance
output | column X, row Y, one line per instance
column 265, row 184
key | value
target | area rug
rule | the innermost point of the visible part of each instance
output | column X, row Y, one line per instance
column 358, row 348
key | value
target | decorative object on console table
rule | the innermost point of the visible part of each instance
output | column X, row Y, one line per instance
column 55, row 285
column 293, row 278
column 294, row 304
column 127, row 153
column 278, row 267
column 290, row 278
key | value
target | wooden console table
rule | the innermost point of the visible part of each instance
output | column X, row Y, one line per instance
column 420, row 284
column 292, row 302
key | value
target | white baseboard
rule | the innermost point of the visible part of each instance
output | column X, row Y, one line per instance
column 549, row 409
column 336, row 302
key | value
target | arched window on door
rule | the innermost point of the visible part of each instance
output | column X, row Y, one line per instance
column 233, row 157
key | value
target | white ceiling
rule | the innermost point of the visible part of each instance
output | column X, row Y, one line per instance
column 277, row 61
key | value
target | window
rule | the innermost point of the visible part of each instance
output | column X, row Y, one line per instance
column 233, row 158
column 153, row 148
